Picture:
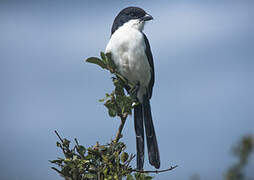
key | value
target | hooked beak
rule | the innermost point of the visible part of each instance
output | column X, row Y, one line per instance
column 147, row 17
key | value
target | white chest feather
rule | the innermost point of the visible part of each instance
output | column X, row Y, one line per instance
column 127, row 48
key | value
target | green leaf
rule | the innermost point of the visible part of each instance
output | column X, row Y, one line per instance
column 57, row 161
column 66, row 143
column 148, row 177
column 124, row 157
column 97, row 61
column 112, row 112
column 56, row 170
column 104, row 58
column 82, row 149
column 102, row 100
column 129, row 177
column 58, row 144
column 110, row 62
column 90, row 176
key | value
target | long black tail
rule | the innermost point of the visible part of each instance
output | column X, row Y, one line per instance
column 139, row 129
column 153, row 150
column 143, row 111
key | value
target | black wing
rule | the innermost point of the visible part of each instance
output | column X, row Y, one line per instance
column 150, row 60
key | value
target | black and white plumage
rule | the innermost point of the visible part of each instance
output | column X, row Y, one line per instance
column 130, row 51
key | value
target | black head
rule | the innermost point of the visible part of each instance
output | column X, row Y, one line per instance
column 127, row 14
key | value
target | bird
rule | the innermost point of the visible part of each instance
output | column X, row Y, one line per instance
column 131, row 53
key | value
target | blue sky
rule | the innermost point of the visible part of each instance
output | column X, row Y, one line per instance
column 202, row 101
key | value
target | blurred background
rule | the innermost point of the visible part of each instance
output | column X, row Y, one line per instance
column 202, row 101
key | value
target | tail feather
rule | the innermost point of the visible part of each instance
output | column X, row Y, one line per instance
column 139, row 129
column 153, row 150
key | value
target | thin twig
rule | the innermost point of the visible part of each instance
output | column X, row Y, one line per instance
column 59, row 136
column 156, row 171
column 76, row 141
column 62, row 143
column 119, row 132
column 130, row 159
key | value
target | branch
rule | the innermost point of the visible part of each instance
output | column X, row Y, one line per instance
column 59, row 136
column 61, row 141
column 76, row 141
column 119, row 132
column 156, row 171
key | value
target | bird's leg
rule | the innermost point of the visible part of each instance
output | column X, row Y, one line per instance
column 134, row 91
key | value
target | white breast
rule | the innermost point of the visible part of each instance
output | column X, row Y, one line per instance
column 127, row 47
